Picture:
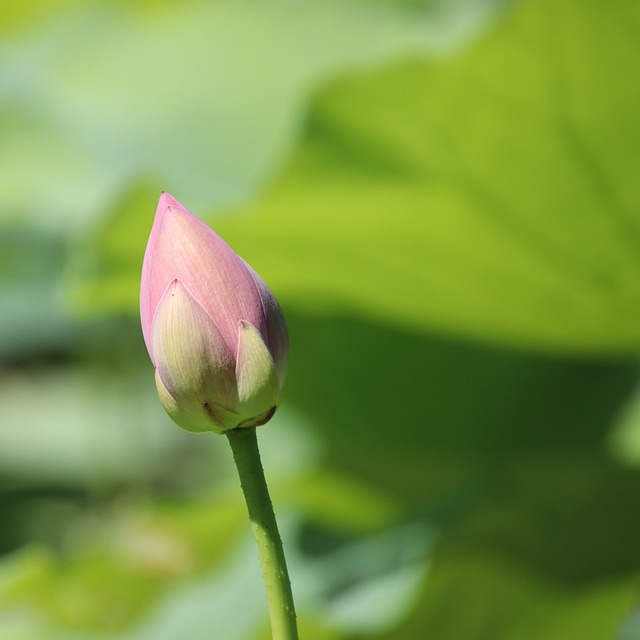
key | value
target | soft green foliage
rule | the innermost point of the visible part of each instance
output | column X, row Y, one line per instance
column 445, row 197
column 495, row 193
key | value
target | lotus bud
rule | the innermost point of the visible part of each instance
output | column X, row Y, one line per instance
column 212, row 327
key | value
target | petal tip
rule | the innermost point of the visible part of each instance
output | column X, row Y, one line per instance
column 167, row 201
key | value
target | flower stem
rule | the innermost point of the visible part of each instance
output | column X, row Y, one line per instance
column 244, row 444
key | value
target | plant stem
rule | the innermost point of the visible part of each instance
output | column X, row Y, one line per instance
column 244, row 444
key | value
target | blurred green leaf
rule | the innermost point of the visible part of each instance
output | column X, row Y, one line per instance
column 495, row 193
column 503, row 451
column 427, row 419
column 339, row 502
column 149, row 569
column 32, row 314
column 370, row 584
column 104, row 276
column 84, row 437
column 482, row 597
column 569, row 518
column 203, row 98
column 121, row 563
column 631, row 629
column 624, row 440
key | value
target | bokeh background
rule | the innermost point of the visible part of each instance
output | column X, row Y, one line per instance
column 445, row 197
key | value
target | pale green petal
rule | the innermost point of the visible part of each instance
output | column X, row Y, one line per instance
column 257, row 376
column 191, row 420
column 194, row 364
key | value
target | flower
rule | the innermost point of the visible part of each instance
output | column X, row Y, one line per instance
column 213, row 329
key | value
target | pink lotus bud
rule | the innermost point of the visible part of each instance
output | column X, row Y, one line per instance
column 213, row 329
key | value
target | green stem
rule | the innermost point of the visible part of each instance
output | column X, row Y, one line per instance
column 244, row 444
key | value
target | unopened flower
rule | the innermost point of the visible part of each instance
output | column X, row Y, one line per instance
column 213, row 329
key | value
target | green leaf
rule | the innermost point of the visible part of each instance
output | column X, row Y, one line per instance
column 202, row 98
column 146, row 567
column 32, row 316
column 502, row 451
column 480, row 596
column 624, row 440
column 494, row 194
column 64, row 428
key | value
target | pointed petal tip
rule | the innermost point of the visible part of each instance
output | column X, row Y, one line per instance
column 167, row 201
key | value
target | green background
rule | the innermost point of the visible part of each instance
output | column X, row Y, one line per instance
column 445, row 197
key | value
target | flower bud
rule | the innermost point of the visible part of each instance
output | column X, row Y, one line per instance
column 213, row 329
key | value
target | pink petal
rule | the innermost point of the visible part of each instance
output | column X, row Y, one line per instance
column 146, row 310
column 183, row 247
column 277, row 336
